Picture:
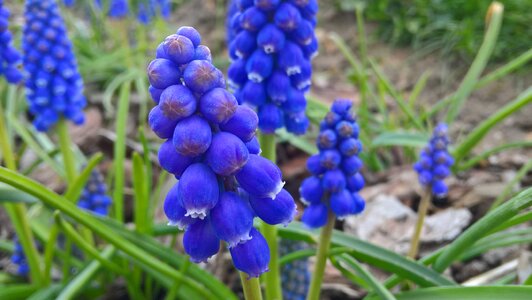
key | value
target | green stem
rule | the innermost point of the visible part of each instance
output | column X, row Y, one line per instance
column 321, row 258
column 421, row 213
column 251, row 287
column 17, row 212
column 68, row 155
column 49, row 253
column 273, row 277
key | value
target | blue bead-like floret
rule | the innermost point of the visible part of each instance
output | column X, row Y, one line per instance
column 435, row 162
column 10, row 58
column 212, row 149
column 271, row 44
column 53, row 84
column 94, row 197
column 336, row 178
column 18, row 258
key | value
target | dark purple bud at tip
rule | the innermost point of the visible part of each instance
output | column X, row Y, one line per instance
column 191, row 33
column 179, row 49
column 200, row 241
column 198, row 190
column 253, row 256
column 232, row 219
column 243, row 123
column 260, row 177
column 280, row 210
column 192, row 136
column 227, row 154
column 202, row 76
column 218, row 105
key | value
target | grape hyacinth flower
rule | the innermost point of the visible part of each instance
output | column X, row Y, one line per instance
column 94, row 198
column 54, row 86
column 271, row 44
column 212, row 149
column 295, row 275
column 118, row 9
column 10, row 57
column 336, row 178
column 19, row 258
column 435, row 162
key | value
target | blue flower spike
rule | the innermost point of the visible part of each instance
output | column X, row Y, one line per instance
column 271, row 45
column 54, row 86
column 336, row 178
column 93, row 197
column 435, row 162
column 212, row 149
column 18, row 258
column 10, row 58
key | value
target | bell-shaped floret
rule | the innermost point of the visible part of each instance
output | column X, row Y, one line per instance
column 259, row 66
column 200, row 241
column 315, row 215
column 198, row 190
column 333, row 181
column 260, row 177
column 174, row 211
column 342, row 203
column 280, row 210
column 253, row 256
column 311, row 190
column 232, row 219
column 270, row 118
column 271, row 39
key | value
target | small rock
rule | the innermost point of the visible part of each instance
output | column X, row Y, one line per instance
column 445, row 225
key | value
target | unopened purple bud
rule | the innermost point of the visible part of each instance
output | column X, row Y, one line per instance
column 267, row 5
column 315, row 215
column 351, row 165
column 278, row 87
column 360, row 204
column 198, row 190
column 192, row 136
column 355, row 183
column 441, row 171
column 303, row 33
column 160, row 124
column 295, row 102
column 350, row 147
column 439, row 188
column 342, row 203
column 179, row 49
column 200, row 241
column 347, row 129
column 331, row 119
column 341, row 106
column 270, row 118
column 174, row 211
column 333, row 181
column 254, row 93
column 203, row 53
column 253, row 146
column 314, row 165
column 218, row 105
column 163, row 73
column 296, row 123
column 191, row 33
column 253, row 256
column 155, row 93
column 243, row 123
column 227, row 154
column 177, row 102
column 287, row 17
column 232, row 219
column 425, row 177
column 280, row 210
column 160, row 53
column 330, row 159
column 327, row 139
column 291, row 58
column 311, row 190
column 252, row 19
column 244, row 44
column 172, row 161
column 260, row 177
column 237, row 74
column 259, row 66
column 271, row 39
column 202, row 76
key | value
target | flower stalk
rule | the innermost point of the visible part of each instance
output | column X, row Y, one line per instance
column 65, row 144
column 422, row 212
column 251, row 287
column 321, row 258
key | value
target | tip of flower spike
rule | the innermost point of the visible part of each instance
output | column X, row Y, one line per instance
column 199, row 213
column 276, row 191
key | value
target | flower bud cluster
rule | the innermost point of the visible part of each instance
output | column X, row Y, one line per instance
column 336, row 178
column 19, row 258
column 212, row 149
column 271, row 47
column 94, row 198
column 9, row 56
column 295, row 275
column 54, row 86
column 435, row 162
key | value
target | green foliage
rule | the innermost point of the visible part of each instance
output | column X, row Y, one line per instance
column 451, row 27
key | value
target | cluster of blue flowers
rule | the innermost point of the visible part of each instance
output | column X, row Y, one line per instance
column 93, row 197
column 336, row 178
column 19, row 258
column 271, row 46
column 295, row 275
column 9, row 56
column 212, row 150
column 435, row 162
column 146, row 9
column 54, row 86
